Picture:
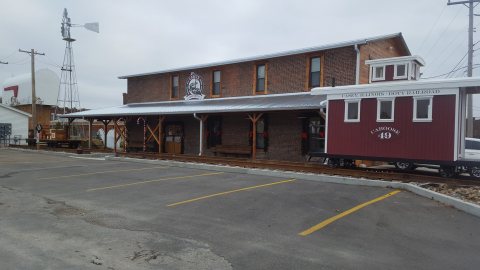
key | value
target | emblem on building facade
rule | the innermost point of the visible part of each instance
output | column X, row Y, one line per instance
column 194, row 87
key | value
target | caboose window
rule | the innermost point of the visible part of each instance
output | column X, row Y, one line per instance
column 378, row 73
column 400, row 71
column 352, row 111
column 422, row 109
column 385, row 110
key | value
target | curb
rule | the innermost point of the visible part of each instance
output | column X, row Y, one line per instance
column 464, row 206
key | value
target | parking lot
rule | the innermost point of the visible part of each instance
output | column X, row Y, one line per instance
column 63, row 212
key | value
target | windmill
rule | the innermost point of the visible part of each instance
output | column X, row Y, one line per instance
column 68, row 99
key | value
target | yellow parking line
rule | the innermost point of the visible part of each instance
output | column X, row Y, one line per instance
column 93, row 173
column 153, row 181
column 230, row 191
column 343, row 214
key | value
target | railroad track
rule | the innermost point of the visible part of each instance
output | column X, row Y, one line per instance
column 312, row 167
column 306, row 167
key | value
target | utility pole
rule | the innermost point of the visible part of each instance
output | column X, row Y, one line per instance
column 32, row 53
column 470, row 5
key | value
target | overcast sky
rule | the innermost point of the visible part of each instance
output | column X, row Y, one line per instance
column 142, row 36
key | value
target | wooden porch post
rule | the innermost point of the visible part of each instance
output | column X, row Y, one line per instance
column 90, row 123
column 105, row 129
column 115, row 135
column 254, row 118
column 161, row 118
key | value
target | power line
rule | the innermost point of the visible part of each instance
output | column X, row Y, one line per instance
column 431, row 29
column 441, row 35
column 444, row 74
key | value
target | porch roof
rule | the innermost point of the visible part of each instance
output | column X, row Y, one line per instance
column 260, row 103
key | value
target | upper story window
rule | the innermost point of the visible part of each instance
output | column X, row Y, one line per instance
column 385, row 110
column 352, row 111
column 174, row 91
column 422, row 109
column 260, row 78
column 217, row 75
column 378, row 73
column 400, row 71
column 314, row 80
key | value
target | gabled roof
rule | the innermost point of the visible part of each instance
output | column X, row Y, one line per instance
column 280, row 54
column 15, row 110
column 261, row 103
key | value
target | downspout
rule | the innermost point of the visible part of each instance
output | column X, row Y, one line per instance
column 357, row 70
column 200, row 152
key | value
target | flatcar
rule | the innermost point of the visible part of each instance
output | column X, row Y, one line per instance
column 404, row 122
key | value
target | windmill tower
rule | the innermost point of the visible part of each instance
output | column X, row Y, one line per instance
column 68, row 99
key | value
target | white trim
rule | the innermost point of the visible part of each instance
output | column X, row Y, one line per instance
column 374, row 77
column 395, row 68
column 326, row 128
column 415, row 99
column 15, row 110
column 394, row 60
column 345, row 116
column 457, row 130
column 379, row 101
column 398, row 86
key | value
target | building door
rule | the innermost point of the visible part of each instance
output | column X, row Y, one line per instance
column 316, row 135
column 173, row 138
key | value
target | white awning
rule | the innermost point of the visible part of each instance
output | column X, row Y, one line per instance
column 263, row 103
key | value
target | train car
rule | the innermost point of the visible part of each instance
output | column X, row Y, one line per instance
column 405, row 122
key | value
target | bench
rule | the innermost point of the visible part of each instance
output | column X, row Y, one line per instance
column 236, row 150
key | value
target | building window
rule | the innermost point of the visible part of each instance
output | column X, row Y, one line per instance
column 422, row 109
column 260, row 82
column 378, row 73
column 385, row 110
column 174, row 90
column 214, row 131
column 400, row 71
column 314, row 80
column 216, row 83
column 352, row 111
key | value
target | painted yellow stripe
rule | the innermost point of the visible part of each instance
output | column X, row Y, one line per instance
column 153, row 181
column 343, row 214
column 93, row 173
column 230, row 191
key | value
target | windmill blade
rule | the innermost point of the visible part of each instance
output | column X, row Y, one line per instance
column 92, row 27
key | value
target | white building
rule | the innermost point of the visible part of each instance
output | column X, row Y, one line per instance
column 18, row 90
column 18, row 121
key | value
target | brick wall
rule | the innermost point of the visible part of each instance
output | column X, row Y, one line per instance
column 284, row 136
column 285, row 74
column 377, row 50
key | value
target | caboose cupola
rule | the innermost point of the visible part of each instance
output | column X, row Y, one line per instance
column 405, row 68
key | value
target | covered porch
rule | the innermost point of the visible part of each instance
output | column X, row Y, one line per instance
column 282, row 127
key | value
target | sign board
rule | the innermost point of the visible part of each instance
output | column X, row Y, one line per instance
column 194, row 87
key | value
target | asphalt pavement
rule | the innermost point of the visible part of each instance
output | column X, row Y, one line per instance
column 63, row 211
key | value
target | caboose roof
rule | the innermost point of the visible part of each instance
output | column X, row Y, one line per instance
column 469, row 84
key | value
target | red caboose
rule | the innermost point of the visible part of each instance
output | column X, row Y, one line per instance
column 404, row 121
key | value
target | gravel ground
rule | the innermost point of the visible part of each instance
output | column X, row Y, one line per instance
column 469, row 194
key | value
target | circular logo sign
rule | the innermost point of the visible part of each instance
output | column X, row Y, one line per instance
column 194, row 87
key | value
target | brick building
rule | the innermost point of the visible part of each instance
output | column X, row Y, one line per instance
column 228, row 107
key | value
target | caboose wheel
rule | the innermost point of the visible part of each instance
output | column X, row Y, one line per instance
column 334, row 162
column 474, row 171
column 405, row 166
column 447, row 171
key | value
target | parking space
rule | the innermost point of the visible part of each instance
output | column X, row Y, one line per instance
column 228, row 220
